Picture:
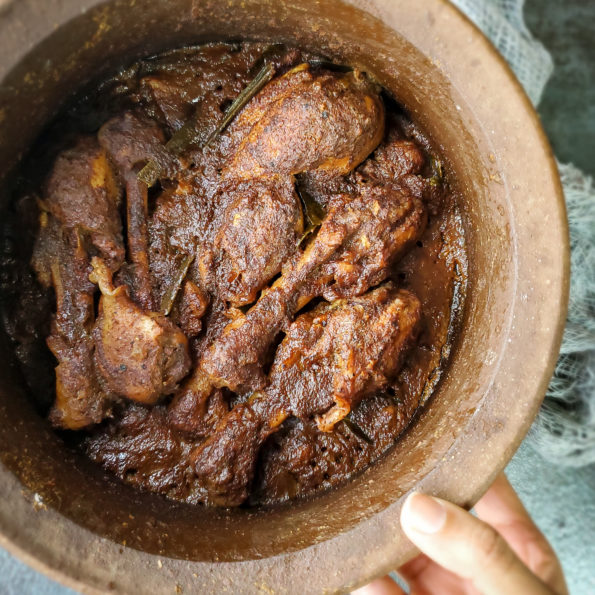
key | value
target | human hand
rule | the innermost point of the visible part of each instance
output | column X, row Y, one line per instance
column 503, row 553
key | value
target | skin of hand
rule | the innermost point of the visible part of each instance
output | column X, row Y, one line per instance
column 499, row 553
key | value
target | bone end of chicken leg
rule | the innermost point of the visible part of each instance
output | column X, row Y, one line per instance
column 80, row 401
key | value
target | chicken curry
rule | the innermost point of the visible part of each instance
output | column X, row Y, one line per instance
column 246, row 263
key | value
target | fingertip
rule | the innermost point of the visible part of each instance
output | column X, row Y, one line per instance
column 380, row 586
column 422, row 514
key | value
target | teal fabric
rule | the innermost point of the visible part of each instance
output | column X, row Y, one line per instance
column 564, row 431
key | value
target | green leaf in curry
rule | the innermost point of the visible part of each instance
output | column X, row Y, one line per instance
column 313, row 214
column 265, row 74
column 189, row 134
column 169, row 297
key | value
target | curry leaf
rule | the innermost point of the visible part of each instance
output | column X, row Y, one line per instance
column 356, row 430
column 169, row 297
column 189, row 134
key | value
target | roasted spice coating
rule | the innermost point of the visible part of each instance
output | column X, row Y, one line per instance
column 83, row 194
column 256, row 233
column 330, row 359
column 358, row 240
column 79, row 218
column 139, row 355
column 305, row 121
column 262, row 322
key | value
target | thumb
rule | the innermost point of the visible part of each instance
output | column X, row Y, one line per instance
column 467, row 547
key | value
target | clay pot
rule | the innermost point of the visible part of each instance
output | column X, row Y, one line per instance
column 65, row 517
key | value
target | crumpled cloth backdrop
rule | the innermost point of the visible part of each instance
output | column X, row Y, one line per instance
column 564, row 431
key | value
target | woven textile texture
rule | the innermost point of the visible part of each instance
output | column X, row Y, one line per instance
column 564, row 431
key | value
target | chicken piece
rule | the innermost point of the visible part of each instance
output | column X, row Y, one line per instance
column 338, row 353
column 196, row 407
column 131, row 141
column 307, row 120
column 182, row 84
column 79, row 218
column 60, row 260
column 80, row 401
column 331, row 358
column 141, row 448
column 179, row 229
column 82, row 192
column 284, row 469
column 300, row 121
column 139, row 445
column 359, row 239
column 140, row 355
column 224, row 463
column 258, row 231
column 394, row 159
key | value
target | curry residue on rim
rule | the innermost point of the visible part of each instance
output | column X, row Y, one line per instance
column 238, row 310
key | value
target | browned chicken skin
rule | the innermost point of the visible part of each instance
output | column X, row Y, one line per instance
column 258, row 231
column 359, row 239
column 299, row 122
column 80, row 399
column 82, row 192
column 368, row 225
column 81, row 219
column 307, row 120
column 330, row 359
column 140, row 355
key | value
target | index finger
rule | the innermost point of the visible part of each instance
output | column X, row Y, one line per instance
column 500, row 505
column 501, row 508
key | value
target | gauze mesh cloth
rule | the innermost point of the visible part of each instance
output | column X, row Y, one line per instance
column 564, row 430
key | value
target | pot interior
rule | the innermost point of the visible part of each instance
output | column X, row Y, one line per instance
column 88, row 47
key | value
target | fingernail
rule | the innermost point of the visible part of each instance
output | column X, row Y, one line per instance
column 423, row 513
